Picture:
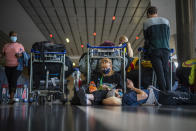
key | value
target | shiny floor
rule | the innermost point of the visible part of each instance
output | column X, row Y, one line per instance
column 56, row 117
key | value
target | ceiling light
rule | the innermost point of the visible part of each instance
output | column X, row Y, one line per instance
column 113, row 18
column 82, row 46
column 67, row 40
column 74, row 64
column 51, row 35
column 137, row 37
column 94, row 34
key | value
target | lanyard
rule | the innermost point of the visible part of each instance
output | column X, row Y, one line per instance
column 101, row 81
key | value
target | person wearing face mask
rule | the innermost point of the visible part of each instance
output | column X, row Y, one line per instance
column 12, row 51
column 106, row 80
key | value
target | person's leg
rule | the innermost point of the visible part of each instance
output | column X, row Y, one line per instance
column 99, row 96
column 165, row 59
column 158, row 67
column 8, row 72
column 16, row 75
column 81, row 93
column 14, row 78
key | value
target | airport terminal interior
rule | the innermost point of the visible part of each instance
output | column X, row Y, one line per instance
column 97, row 65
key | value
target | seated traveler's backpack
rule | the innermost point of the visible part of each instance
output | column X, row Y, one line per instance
column 174, row 98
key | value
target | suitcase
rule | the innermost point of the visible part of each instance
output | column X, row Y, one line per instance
column 46, row 46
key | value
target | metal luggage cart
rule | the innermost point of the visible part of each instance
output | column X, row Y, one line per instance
column 112, row 52
column 48, row 87
column 154, row 78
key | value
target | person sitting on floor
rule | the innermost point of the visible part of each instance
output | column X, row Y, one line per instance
column 106, row 82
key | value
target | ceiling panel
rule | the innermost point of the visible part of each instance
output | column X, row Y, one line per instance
column 78, row 19
column 139, row 12
column 112, row 3
column 120, row 12
column 100, row 3
column 144, row 3
column 90, row 12
column 134, row 3
column 80, row 12
column 100, row 12
column 90, row 3
column 130, row 12
column 122, row 3
column 71, row 12
column 69, row 3
column 41, row 12
column 37, row 3
column 47, row 3
column 79, row 3
column 110, row 12
column 57, row 3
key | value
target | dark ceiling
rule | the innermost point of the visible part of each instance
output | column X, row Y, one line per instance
column 79, row 19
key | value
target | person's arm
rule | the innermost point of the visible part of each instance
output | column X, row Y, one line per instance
column 129, row 50
column 141, row 95
column 19, row 50
column 3, row 50
column 2, row 54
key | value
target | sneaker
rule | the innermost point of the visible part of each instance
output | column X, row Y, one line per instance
column 82, row 96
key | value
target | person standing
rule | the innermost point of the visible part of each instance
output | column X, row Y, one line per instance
column 12, row 51
column 156, row 32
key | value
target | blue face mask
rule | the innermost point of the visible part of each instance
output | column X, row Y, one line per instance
column 106, row 71
column 13, row 38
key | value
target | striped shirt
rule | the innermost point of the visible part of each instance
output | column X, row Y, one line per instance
column 156, row 33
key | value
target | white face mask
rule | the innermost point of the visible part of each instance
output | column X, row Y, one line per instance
column 13, row 39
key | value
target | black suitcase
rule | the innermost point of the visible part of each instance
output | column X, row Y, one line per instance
column 47, row 46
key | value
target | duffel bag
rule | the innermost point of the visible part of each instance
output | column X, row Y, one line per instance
column 47, row 46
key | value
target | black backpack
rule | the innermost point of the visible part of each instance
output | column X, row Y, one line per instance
column 174, row 98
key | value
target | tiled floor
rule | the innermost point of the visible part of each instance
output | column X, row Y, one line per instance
column 26, row 117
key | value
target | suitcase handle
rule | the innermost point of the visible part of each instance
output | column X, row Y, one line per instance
column 34, row 51
column 106, row 47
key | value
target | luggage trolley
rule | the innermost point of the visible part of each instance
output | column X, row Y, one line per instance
column 154, row 78
column 98, row 52
column 48, row 87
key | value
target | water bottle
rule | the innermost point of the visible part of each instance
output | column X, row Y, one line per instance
column 77, row 80
column 25, row 93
